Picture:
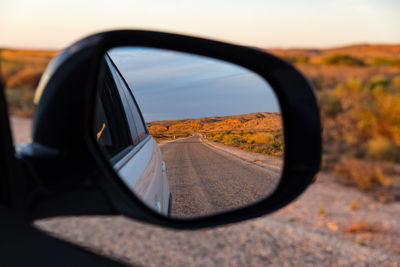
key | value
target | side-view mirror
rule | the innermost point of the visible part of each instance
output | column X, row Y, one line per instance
column 172, row 130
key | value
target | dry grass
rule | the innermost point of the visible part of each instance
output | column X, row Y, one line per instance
column 362, row 174
column 362, row 227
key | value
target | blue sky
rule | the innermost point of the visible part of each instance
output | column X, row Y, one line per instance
column 172, row 85
column 265, row 23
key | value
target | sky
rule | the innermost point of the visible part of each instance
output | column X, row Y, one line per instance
column 172, row 85
column 51, row 24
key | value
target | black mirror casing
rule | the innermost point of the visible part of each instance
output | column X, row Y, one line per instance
column 73, row 176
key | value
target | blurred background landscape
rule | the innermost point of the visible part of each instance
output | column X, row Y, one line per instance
column 358, row 87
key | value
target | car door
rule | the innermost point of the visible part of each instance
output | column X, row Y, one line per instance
column 138, row 160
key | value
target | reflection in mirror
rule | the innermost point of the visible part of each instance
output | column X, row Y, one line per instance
column 189, row 135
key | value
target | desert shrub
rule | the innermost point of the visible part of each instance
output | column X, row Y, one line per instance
column 278, row 134
column 379, row 61
column 217, row 137
column 210, row 135
column 299, row 59
column 237, row 141
column 378, row 81
column 396, row 83
column 381, row 148
column 366, row 132
column 341, row 59
column 364, row 175
column 276, row 145
column 330, row 104
column 227, row 139
column 369, row 113
column 260, row 142
column 260, row 138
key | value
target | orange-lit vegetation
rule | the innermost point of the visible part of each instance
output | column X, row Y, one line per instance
column 258, row 132
column 21, row 71
column 358, row 88
column 359, row 91
column 361, row 129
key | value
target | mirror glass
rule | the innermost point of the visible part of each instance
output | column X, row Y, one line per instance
column 189, row 135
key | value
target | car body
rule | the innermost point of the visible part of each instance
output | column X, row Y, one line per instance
column 123, row 135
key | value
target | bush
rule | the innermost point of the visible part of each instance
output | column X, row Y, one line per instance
column 396, row 84
column 227, row 139
column 340, row 59
column 260, row 138
column 330, row 104
column 382, row 149
column 365, row 118
column 364, row 175
column 296, row 59
column 379, row 61
column 276, row 145
column 378, row 81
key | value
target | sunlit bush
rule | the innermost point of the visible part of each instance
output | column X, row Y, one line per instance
column 381, row 148
column 330, row 104
column 379, row 61
column 299, row 59
column 362, row 174
column 341, row 59
column 366, row 128
column 260, row 138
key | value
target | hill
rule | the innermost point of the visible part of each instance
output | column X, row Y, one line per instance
column 258, row 132
column 364, row 51
column 246, row 122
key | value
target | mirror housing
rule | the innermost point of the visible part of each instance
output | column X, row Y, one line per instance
column 72, row 175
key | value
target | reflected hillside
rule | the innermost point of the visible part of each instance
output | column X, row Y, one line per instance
column 259, row 132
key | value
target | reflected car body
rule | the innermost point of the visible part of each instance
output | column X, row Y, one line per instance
column 123, row 136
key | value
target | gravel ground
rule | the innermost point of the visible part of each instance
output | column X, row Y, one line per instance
column 330, row 224
column 309, row 232
column 21, row 129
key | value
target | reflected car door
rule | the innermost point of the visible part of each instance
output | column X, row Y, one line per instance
column 141, row 166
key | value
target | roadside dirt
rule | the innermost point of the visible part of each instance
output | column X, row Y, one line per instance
column 252, row 157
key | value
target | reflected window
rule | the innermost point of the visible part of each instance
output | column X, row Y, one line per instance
column 111, row 131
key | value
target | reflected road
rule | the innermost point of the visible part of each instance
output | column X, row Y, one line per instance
column 205, row 180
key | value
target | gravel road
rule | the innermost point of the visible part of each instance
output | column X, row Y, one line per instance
column 204, row 180
column 312, row 231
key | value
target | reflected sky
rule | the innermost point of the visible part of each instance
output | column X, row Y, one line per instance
column 173, row 85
